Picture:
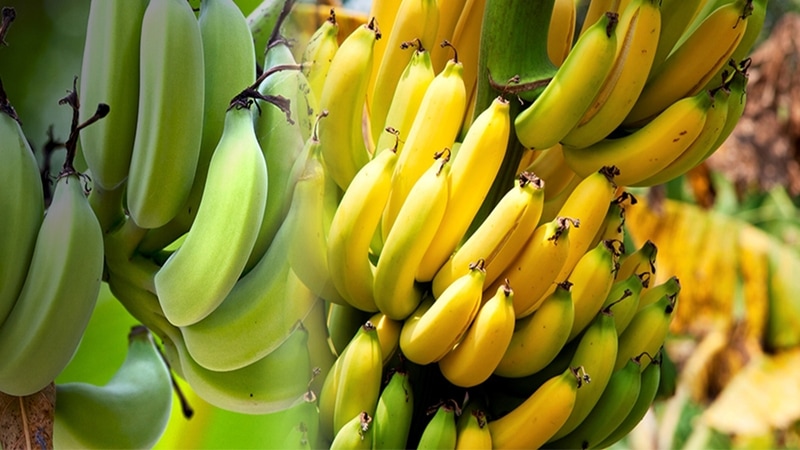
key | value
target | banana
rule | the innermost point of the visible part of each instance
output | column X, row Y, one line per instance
column 596, row 353
column 449, row 15
column 528, row 274
column 169, row 121
column 649, row 149
column 352, row 227
column 500, row 236
column 310, row 214
column 472, row 430
column 549, row 165
column 736, row 102
column 623, row 299
column 637, row 38
column 395, row 291
column 411, row 87
column 343, row 97
column 23, row 203
column 706, row 49
column 327, row 399
column 319, row 349
column 394, row 413
column 594, row 11
column 477, row 355
column 471, row 176
column 670, row 287
column 384, row 12
column 467, row 40
column 568, row 95
column 319, row 53
column 561, row 31
column 614, row 405
column 342, row 322
column 357, row 433
column 591, row 281
column 388, row 334
column 258, row 314
column 435, row 327
column 754, row 25
column 440, row 432
column 435, row 127
column 262, row 21
column 676, row 16
column 647, row 331
column 43, row 329
column 554, row 203
column 189, row 284
column 415, row 19
column 613, row 227
column 539, row 337
column 642, row 260
column 534, row 422
column 110, row 75
column 131, row 410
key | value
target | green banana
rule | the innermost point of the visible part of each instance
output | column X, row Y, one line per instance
column 647, row 330
column 440, row 431
column 357, row 433
column 642, row 260
column 319, row 52
column 591, row 281
column 623, row 299
column 343, row 321
column 130, row 411
column 394, row 413
column 671, row 286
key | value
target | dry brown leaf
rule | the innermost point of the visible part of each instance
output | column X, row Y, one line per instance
column 27, row 422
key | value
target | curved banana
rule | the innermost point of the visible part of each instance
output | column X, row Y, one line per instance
column 539, row 337
column 440, row 431
column 467, row 41
column 476, row 356
column 676, row 17
column 613, row 227
column 472, row 430
column 343, row 97
column 473, row 170
column 647, row 331
column 670, row 287
column 500, row 236
column 110, row 75
column 414, row 20
column 549, row 165
column 189, row 284
column 449, row 15
column 642, row 260
column 395, row 290
column 384, row 12
column 706, row 49
column 394, row 413
column 637, row 37
column 649, row 149
column 23, row 202
column 436, row 326
column 561, row 31
column 736, row 103
column 319, row 53
column 388, row 334
column 536, row 420
column 343, row 321
column 45, row 326
column 353, row 225
column 528, row 273
column 169, row 123
column 568, row 95
column 591, row 281
column 356, row 433
column 614, row 405
column 131, row 410
column 623, row 299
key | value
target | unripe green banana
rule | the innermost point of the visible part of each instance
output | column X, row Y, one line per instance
column 22, row 201
column 110, row 75
column 647, row 331
column 642, row 260
column 591, row 281
column 623, row 299
column 671, row 286
column 169, row 124
column 43, row 329
column 356, row 434
column 736, row 102
column 190, row 285
column 343, row 321
column 130, row 411
column 394, row 413
column 440, row 431
column 319, row 53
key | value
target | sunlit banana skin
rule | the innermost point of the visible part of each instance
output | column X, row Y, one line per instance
column 318, row 54
column 561, row 31
column 110, row 75
column 190, row 285
column 440, row 431
column 169, row 123
column 394, row 413
column 131, row 410
column 567, row 96
column 43, row 329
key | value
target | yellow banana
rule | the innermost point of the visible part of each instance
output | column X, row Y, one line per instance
column 561, row 31
column 354, row 223
column 396, row 293
column 623, row 299
column 356, row 433
column 676, row 16
column 500, row 236
column 549, row 165
column 641, row 260
column 440, row 432
column 473, row 171
column 319, row 53
column 342, row 321
column 388, row 334
column 591, row 281
column 414, row 20
column 530, row 275
column 533, row 423
column 649, row 149
column 705, row 50
column 736, row 102
column 466, row 41
column 554, row 203
column 436, row 326
column 449, row 15
column 472, row 430
column 613, row 227
column 594, row 11
column 384, row 12
column 394, row 413
column 343, row 97
column 474, row 359
column 647, row 331
column 637, row 37
column 539, row 337
column 568, row 95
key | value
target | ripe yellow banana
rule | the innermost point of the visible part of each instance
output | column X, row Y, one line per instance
column 591, row 281
column 440, row 432
column 472, row 430
column 676, row 17
column 357, row 433
column 647, row 331
column 649, row 149
column 384, row 12
column 388, row 334
column 343, row 97
column 449, row 15
column 436, row 326
column 562, row 30
column 394, row 413
column 396, row 293
column 169, row 124
column 354, row 223
column 500, row 236
column 533, row 423
column 466, row 41
column 613, row 227
column 549, row 165
column 319, row 53
column 342, row 321
column 594, row 11
column 472, row 173
column 476, row 356
column 539, row 337
column 568, row 95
